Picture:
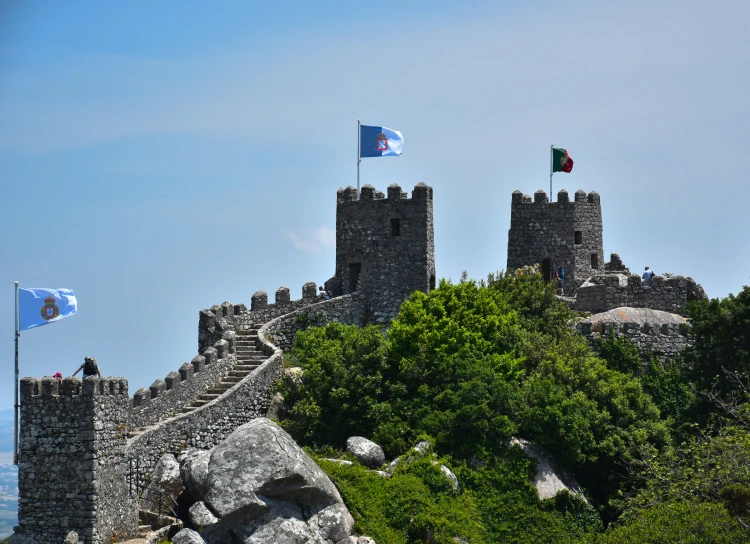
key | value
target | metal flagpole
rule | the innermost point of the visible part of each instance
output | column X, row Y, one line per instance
column 359, row 151
column 551, row 167
column 16, row 406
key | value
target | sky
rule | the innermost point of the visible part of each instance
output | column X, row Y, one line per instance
column 162, row 157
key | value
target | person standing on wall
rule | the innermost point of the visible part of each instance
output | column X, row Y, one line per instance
column 89, row 367
column 647, row 275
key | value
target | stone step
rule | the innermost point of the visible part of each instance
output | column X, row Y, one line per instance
column 232, row 379
column 238, row 373
column 208, row 396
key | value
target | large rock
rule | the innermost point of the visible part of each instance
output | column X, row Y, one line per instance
column 366, row 451
column 166, row 479
column 187, row 536
column 260, row 458
column 549, row 479
column 194, row 470
column 201, row 516
column 262, row 488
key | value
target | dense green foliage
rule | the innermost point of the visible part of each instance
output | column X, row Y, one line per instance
column 683, row 522
column 472, row 364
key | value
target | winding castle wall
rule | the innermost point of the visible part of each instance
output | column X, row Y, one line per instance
column 75, row 435
column 606, row 291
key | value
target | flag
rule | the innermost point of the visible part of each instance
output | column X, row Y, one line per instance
column 561, row 161
column 37, row 307
column 379, row 142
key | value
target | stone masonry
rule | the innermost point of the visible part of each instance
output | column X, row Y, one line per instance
column 71, row 473
column 553, row 233
column 385, row 247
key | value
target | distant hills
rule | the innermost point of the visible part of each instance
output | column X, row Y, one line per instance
column 6, row 430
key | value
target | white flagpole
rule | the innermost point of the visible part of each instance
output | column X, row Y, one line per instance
column 16, row 406
column 551, row 167
column 359, row 152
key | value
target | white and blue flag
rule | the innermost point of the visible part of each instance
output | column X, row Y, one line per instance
column 37, row 307
column 379, row 142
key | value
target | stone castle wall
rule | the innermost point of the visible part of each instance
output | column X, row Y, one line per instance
column 665, row 340
column 606, row 291
column 73, row 438
column 542, row 230
column 178, row 389
column 385, row 247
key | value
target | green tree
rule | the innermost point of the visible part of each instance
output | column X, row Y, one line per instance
column 679, row 521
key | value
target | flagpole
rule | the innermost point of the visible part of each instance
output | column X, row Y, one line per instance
column 551, row 167
column 359, row 152
column 16, row 406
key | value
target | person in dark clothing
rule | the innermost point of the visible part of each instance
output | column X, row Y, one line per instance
column 89, row 367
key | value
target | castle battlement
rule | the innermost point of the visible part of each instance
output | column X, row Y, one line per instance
column 540, row 197
column 93, row 386
column 602, row 292
column 421, row 191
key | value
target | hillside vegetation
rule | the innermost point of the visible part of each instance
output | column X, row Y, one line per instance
column 661, row 449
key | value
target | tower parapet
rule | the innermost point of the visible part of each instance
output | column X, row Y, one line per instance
column 73, row 436
column 384, row 247
column 554, row 233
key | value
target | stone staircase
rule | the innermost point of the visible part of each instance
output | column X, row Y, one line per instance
column 249, row 357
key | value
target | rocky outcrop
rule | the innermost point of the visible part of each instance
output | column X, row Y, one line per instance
column 260, row 487
column 549, row 479
column 366, row 451
column 166, row 480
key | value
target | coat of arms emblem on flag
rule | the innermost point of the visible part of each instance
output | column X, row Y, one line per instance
column 50, row 309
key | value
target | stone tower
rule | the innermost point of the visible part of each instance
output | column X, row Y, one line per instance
column 552, row 233
column 72, row 472
column 384, row 247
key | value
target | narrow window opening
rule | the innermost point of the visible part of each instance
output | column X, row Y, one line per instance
column 594, row 261
column 579, row 237
column 395, row 227
column 355, row 273
column 432, row 282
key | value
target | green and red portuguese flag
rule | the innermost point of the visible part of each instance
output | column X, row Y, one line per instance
column 561, row 161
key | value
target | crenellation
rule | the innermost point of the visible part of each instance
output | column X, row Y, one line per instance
column 186, row 372
column 562, row 196
column 173, row 379
column 158, row 387
column 593, row 198
column 199, row 363
column 210, row 355
column 581, row 196
column 259, row 300
column 282, row 295
column 394, row 192
column 222, row 348
column 540, row 197
column 142, row 397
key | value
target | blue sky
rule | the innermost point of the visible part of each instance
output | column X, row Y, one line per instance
column 162, row 157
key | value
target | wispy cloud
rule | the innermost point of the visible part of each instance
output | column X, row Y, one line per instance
column 318, row 241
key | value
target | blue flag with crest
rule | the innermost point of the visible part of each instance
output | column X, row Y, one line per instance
column 37, row 307
column 379, row 142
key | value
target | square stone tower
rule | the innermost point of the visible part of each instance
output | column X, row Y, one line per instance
column 552, row 233
column 384, row 247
